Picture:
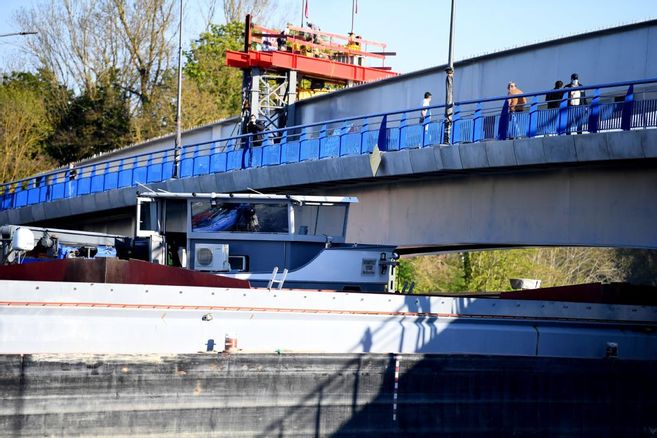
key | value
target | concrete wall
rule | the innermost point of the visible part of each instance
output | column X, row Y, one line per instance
column 321, row 395
column 614, row 55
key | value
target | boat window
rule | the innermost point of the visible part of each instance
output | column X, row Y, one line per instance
column 320, row 219
column 210, row 217
column 147, row 218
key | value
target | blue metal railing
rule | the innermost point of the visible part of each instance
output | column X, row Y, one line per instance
column 606, row 107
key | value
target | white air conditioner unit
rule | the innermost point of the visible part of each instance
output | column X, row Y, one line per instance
column 211, row 257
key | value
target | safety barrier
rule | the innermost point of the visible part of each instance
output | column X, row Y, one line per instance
column 604, row 107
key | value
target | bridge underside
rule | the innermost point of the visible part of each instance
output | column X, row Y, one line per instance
column 589, row 190
column 596, row 205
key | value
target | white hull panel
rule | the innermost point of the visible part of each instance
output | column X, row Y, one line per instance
column 54, row 317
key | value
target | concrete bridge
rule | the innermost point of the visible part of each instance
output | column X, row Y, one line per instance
column 503, row 179
column 592, row 190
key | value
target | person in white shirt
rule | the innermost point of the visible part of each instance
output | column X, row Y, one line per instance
column 575, row 99
column 426, row 113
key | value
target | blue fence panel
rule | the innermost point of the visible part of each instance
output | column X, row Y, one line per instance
column 153, row 170
column 309, row 150
column 291, row 151
column 491, row 125
column 255, row 158
column 234, row 159
column 218, row 162
column 7, row 198
column 201, row 165
column 350, row 144
column 125, row 175
column 411, row 136
column 97, row 183
column 577, row 118
column 167, row 169
column 20, row 197
column 58, row 187
column 271, row 155
column 610, row 116
column 83, row 182
column 546, row 121
column 393, row 139
column 187, row 162
column 33, row 192
column 139, row 175
column 464, row 128
column 329, row 147
column 369, row 138
column 647, row 113
column 111, row 180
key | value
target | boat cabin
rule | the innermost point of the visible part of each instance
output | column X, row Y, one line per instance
column 298, row 241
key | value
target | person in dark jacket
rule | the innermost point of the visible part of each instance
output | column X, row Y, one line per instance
column 553, row 98
column 575, row 99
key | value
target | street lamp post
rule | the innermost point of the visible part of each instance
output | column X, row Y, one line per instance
column 177, row 147
column 17, row 33
column 449, row 82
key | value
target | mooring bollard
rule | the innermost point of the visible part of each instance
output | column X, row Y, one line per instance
column 230, row 344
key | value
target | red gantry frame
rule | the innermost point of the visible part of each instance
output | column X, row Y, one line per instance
column 322, row 67
column 316, row 67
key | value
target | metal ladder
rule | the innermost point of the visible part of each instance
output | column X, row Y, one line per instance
column 274, row 280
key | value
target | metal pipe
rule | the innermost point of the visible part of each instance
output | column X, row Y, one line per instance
column 449, row 81
column 353, row 12
column 178, row 146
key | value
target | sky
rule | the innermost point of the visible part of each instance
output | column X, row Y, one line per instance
column 417, row 30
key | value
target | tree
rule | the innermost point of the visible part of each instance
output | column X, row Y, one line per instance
column 236, row 10
column 94, row 123
column 158, row 117
column 441, row 273
column 24, row 126
column 640, row 265
column 206, row 67
column 488, row 271
column 79, row 40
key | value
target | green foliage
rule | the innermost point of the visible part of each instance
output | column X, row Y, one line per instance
column 96, row 121
column 432, row 273
column 490, row 271
column 206, row 67
column 640, row 266
column 24, row 127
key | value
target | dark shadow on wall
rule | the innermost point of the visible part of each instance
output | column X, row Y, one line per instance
column 467, row 395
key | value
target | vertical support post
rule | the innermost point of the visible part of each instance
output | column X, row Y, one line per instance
column 403, row 123
column 562, row 121
column 594, row 112
column 290, row 117
column 176, row 152
column 456, row 131
column 503, row 125
column 478, row 124
column 449, row 81
column 533, row 118
column 364, row 134
column 628, row 109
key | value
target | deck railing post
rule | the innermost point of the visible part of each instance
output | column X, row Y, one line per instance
column 533, row 118
column 628, row 109
column 594, row 112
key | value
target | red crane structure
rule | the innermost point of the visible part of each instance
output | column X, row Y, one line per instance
column 281, row 67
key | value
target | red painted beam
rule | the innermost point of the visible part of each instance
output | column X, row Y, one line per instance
column 317, row 67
